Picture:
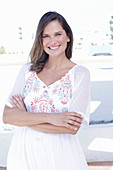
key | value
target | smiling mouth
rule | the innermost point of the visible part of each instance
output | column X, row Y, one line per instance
column 54, row 48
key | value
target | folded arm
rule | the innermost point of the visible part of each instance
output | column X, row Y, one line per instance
column 49, row 128
column 61, row 123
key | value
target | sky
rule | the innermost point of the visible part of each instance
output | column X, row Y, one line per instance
column 82, row 16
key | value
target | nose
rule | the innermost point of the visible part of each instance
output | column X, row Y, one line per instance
column 53, row 40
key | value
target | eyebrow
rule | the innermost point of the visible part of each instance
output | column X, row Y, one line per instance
column 54, row 33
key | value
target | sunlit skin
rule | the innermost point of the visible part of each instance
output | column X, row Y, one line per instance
column 55, row 40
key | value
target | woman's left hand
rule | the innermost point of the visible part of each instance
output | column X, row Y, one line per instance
column 17, row 102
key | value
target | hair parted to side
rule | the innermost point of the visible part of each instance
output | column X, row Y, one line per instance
column 37, row 55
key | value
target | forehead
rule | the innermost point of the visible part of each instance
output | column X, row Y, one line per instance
column 53, row 26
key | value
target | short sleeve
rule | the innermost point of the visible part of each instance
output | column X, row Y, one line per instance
column 19, row 83
column 80, row 101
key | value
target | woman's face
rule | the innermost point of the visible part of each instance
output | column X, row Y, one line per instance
column 55, row 39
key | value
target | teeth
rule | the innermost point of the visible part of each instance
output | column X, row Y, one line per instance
column 53, row 48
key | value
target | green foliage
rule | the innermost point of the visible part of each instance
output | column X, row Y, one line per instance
column 2, row 50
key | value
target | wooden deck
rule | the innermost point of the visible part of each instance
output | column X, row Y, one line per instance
column 93, row 166
column 101, row 166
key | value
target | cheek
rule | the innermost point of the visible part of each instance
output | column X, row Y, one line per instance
column 44, row 43
column 63, row 40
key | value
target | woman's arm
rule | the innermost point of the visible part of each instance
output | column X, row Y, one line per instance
column 49, row 128
column 20, row 117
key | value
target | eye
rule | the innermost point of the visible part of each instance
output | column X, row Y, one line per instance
column 58, row 34
column 45, row 36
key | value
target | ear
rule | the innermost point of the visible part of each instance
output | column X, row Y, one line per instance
column 68, row 39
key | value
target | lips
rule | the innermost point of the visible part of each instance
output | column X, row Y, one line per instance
column 54, row 47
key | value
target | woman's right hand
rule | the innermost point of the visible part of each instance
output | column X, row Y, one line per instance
column 70, row 120
column 17, row 102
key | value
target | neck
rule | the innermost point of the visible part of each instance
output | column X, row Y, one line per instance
column 55, row 63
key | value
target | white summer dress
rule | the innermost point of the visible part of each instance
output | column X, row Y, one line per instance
column 34, row 150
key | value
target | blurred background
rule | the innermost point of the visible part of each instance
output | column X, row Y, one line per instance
column 90, row 20
column 92, row 25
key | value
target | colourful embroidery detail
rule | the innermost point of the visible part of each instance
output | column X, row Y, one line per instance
column 32, row 84
column 44, row 102
column 64, row 90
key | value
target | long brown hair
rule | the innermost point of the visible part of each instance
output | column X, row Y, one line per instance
column 38, row 56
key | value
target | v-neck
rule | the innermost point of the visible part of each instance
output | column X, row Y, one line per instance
column 48, row 86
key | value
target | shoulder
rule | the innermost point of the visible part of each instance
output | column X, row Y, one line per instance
column 81, row 72
column 26, row 67
column 81, row 69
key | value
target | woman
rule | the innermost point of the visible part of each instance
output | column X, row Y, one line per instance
column 49, row 103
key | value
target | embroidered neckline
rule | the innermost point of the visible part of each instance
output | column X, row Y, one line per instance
column 48, row 86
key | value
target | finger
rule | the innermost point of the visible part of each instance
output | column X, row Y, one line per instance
column 18, row 102
column 78, row 115
column 15, row 98
column 75, row 131
column 79, row 120
column 14, row 102
column 21, row 102
column 78, row 125
column 71, row 122
column 76, row 119
column 76, row 128
column 72, row 127
column 18, row 99
column 69, row 126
